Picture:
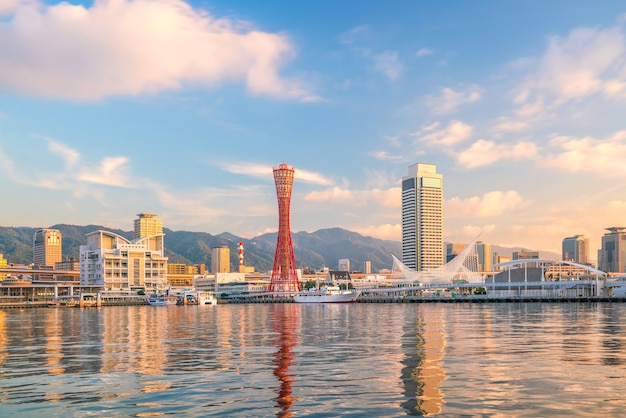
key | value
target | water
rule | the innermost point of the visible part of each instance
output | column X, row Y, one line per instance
column 534, row 359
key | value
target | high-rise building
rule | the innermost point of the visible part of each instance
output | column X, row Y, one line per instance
column 343, row 264
column 453, row 249
column 3, row 264
column 220, row 259
column 147, row 225
column 485, row 256
column 422, row 218
column 612, row 255
column 576, row 249
column 284, row 274
column 47, row 247
column 367, row 267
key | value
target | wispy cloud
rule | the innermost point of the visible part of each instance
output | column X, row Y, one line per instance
column 69, row 155
column 353, row 34
column 422, row 52
column 356, row 198
column 267, row 172
column 388, row 63
column 124, row 47
column 449, row 99
column 112, row 171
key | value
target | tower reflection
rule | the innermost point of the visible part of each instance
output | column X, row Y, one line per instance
column 285, row 320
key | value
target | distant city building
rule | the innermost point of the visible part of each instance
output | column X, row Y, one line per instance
column 3, row 264
column 47, row 248
column 485, row 256
column 499, row 259
column 367, row 267
column 116, row 263
column 612, row 255
column 576, row 249
column 422, row 218
column 453, row 249
column 220, row 259
column 525, row 255
column 147, row 225
column 343, row 264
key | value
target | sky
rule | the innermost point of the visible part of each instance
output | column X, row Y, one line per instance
column 117, row 107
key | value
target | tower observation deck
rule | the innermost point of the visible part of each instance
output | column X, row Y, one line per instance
column 284, row 276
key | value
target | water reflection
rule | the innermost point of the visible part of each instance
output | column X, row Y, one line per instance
column 424, row 342
column 285, row 320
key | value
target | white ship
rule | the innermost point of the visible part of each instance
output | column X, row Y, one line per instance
column 327, row 294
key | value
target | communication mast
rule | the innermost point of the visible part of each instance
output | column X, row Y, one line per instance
column 284, row 276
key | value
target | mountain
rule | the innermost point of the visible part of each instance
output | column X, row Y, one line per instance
column 312, row 250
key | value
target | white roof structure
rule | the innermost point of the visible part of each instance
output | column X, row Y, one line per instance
column 463, row 267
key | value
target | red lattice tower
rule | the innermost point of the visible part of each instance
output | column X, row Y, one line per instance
column 284, row 275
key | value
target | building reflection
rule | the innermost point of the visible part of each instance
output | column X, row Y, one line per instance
column 285, row 320
column 423, row 370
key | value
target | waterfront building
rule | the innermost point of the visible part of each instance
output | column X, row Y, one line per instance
column 343, row 264
column 47, row 248
column 576, row 249
column 612, row 255
column 422, row 218
column 220, row 259
column 525, row 255
column 115, row 263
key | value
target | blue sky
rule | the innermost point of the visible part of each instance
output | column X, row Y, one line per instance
column 116, row 107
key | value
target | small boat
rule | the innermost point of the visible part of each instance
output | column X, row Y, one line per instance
column 327, row 294
column 206, row 298
column 162, row 299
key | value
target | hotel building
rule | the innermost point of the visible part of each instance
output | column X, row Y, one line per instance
column 422, row 218
column 116, row 263
column 612, row 255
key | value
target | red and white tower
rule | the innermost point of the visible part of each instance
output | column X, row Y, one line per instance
column 284, row 275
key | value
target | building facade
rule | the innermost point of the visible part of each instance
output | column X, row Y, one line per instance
column 47, row 247
column 220, row 259
column 576, row 249
column 113, row 262
column 343, row 264
column 485, row 256
column 422, row 218
column 612, row 255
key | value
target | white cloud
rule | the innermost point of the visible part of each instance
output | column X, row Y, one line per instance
column 490, row 204
column 387, row 63
column 449, row 100
column 69, row 155
column 482, row 153
column 123, row 47
column 509, row 125
column 353, row 34
column 454, row 133
column 604, row 157
column 585, row 62
column 423, row 52
column 386, row 156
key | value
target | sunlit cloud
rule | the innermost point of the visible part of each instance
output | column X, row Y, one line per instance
column 266, row 172
column 386, row 231
column 483, row 152
column 112, row 171
column 509, row 125
column 386, row 156
column 454, row 133
column 449, row 99
column 604, row 157
column 491, row 204
column 123, row 47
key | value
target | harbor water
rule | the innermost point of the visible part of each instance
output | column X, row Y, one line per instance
column 260, row 360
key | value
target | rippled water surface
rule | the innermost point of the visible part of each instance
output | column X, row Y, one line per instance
column 315, row 360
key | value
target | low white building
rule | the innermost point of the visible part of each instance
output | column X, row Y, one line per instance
column 116, row 263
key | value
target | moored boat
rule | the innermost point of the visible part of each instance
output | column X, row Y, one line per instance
column 206, row 298
column 162, row 299
column 327, row 294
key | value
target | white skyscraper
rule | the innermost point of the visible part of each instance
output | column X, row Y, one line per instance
column 422, row 218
